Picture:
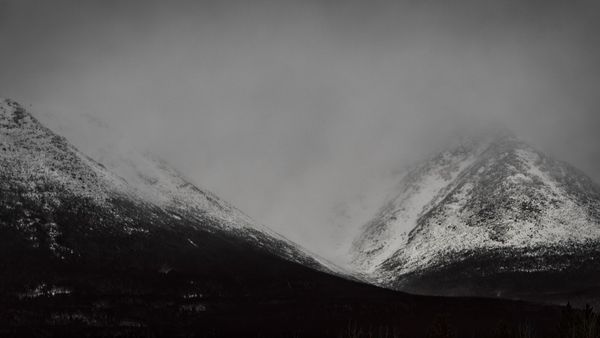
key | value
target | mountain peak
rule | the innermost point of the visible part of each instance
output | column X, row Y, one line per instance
column 489, row 193
column 479, row 139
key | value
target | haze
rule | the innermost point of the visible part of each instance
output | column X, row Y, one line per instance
column 300, row 112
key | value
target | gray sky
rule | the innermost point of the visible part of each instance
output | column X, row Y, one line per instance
column 291, row 108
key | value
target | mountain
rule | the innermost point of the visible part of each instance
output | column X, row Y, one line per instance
column 489, row 216
column 132, row 248
column 43, row 172
column 153, row 178
column 68, row 223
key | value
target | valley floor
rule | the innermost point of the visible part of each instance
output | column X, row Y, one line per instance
column 354, row 311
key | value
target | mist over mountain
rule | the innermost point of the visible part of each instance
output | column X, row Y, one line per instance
column 288, row 108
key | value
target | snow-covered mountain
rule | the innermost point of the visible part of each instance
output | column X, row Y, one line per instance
column 131, row 248
column 486, row 217
column 153, row 178
column 61, row 202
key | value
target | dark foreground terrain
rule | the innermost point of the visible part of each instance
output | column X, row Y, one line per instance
column 262, row 296
column 178, row 277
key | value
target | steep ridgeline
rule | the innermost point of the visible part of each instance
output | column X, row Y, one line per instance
column 62, row 211
column 492, row 217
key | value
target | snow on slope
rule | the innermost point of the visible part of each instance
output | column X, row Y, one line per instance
column 493, row 193
column 119, row 170
column 45, row 171
column 159, row 183
column 413, row 196
column 37, row 155
column 151, row 177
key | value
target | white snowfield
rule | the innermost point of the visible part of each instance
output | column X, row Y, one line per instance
column 492, row 193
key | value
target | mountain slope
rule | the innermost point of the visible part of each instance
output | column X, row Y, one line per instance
column 155, row 181
column 484, row 218
column 56, row 199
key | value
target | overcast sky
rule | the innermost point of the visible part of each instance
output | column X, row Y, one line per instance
column 288, row 109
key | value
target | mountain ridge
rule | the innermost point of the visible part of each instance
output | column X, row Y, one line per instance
column 46, row 167
column 496, row 194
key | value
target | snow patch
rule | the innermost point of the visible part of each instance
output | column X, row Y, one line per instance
column 44, row 290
